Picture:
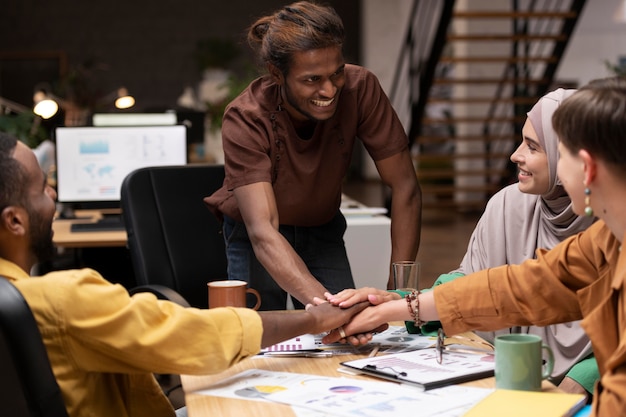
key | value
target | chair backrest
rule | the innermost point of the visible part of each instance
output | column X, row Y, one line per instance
column 27, row 385
column 174, row 240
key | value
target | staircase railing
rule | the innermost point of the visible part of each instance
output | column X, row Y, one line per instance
column 527, row 73
column 535, row 76
column 422, row 47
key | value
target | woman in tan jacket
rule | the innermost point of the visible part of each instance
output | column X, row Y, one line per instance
column 580, row 278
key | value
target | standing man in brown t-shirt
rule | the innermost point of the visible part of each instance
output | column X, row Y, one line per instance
column 288, row 141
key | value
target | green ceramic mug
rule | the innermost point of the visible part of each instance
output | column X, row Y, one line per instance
column 520, row 362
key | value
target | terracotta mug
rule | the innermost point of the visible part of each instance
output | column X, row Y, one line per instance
column 231, row 293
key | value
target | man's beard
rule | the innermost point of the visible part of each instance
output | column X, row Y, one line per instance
column 294, row 104
column 40, row 237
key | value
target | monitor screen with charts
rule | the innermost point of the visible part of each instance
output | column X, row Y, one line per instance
column 92, row 161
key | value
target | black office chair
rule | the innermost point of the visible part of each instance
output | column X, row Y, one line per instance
column 174, row 240
column 27, row 385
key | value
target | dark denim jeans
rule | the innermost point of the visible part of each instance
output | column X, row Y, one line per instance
column 321, row 248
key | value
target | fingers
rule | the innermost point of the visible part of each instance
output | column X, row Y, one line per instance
column 327, row 316
column 341, row 335
column 364, row 338
column 380, row 298
column 317, row 300
column 381, row 328
column 341, row 332
column 357, row 308
column 341, row 297
column 359, row 339
column 332, row 337
column 362, row 323
column 349, row 297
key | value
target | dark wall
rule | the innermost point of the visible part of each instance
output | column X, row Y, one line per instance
column 147, row 46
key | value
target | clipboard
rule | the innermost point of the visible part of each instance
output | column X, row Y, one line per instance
column 420, row 368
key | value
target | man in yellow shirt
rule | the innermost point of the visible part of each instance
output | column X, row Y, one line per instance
column 103, row 344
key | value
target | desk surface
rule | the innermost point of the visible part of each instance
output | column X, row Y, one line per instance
column 65, row 238
column 204, row 405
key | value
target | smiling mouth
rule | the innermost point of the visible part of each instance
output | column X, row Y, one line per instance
column 323, row 103
column 524, row 173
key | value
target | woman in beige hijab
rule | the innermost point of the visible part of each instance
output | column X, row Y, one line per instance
column 534, row 213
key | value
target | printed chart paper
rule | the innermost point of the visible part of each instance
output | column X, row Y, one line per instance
column 317, row 396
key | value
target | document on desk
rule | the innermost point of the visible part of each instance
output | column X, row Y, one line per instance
column 351, row 397
column 420, row 367
column 317, row 396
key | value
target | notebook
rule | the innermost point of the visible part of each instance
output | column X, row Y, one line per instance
column 420, row 367
column 527, row 403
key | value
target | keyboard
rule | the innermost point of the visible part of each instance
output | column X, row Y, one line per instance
column 104, row 225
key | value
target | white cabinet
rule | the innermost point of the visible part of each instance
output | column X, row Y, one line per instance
column 368, row 243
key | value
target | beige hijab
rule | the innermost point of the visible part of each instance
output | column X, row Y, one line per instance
column 514, row 225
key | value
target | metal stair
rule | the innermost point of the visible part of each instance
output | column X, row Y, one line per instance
column 475, row 88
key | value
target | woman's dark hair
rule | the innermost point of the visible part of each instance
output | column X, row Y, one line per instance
column 594, row 119
column 12, row 177
column 298, row 27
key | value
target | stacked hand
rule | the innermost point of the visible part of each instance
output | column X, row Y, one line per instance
column 349, row 297
column 371, row 320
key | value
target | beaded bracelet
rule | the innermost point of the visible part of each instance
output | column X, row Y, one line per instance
column 414, row 311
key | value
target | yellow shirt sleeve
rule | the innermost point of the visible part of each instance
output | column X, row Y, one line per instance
column 105, row 330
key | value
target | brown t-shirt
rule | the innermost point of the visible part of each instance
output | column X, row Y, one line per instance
column 261, row 145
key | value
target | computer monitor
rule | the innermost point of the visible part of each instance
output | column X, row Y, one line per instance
column 92, row 162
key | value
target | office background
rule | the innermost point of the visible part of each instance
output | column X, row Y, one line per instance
column 147, row 46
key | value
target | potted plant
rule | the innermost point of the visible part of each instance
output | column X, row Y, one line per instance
column 618, row 68
column 25, row 126
column 219, row 85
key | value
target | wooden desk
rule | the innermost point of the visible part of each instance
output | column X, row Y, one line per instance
column 204, row 405
column 65, row 238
